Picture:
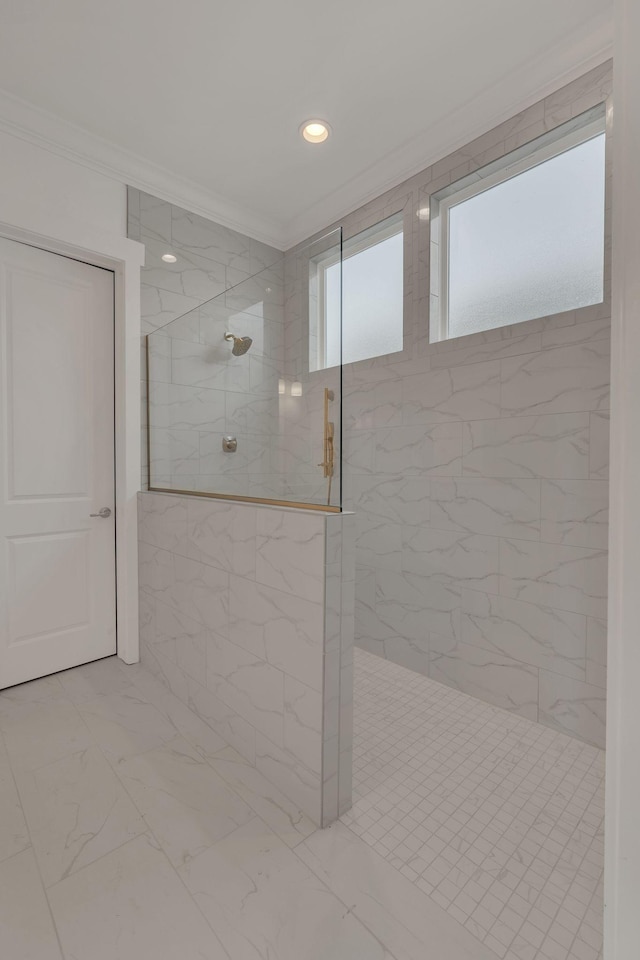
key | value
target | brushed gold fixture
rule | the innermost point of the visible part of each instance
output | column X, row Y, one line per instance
column 329, row 435
column 329, row 430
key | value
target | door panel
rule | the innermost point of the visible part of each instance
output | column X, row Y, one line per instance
column 57, row 564
column 48, row 584
column 48, row 363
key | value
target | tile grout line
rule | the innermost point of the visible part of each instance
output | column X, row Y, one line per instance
column 31, row 846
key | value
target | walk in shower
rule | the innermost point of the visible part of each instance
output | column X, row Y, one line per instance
column 245, row 391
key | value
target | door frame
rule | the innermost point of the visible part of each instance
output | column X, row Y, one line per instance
column 35, row 227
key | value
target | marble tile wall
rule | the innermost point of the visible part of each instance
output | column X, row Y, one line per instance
column 200, row 392
column 246, row 616
column 211, row 260
column 477, row 469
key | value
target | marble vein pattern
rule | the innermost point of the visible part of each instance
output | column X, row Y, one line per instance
column 263, row 901
column 501, row 435
column 554, row 445
column 475, row 834
column 14, row 835
column 290, row 553
column 77, row 811
column 570, row 578
column 501, row 508
column 246, row 617
column 28, row 932
column 557, row 380
column 492, row 677
column 186, row 804
column 131, row 903
column 277, row 627
column 533, row 634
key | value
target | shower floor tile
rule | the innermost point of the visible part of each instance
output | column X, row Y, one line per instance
column 497, row 819
column 133, row 830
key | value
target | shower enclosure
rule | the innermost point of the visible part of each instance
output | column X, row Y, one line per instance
column 245, row 405
column 243, row 401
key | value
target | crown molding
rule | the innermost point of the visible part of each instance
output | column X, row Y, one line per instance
column 46, row 130
column 530, row 83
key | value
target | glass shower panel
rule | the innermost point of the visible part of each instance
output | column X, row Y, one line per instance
column 234, row 410
column 311, row 407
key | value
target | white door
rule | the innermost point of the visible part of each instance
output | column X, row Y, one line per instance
column 57, row 562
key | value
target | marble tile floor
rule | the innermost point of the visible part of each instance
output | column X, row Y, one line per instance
column 497, row 819
column 130, row 830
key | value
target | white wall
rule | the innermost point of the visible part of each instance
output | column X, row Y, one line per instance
column 58, row 187
column 622, row 826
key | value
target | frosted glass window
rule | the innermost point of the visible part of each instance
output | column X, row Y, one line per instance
column 371, row 293
column 530, row 246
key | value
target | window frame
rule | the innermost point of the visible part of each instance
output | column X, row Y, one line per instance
column 513, row 164
column 390, row 226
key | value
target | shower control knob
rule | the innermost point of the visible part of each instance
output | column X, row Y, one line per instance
column 229, row 444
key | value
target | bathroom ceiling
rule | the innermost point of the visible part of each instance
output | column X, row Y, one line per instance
column 214, row 91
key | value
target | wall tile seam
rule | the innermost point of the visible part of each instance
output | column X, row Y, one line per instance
column 504, row 338
column 184, row 536
column 505, row 343
column 579, row 661
column 356, row 392
column 537, row 325
column 175, row 213
column 601, row 552
column 189, row 679
column 213, row 633
column 501, row 538
column 179, row 608
column 587, row 553
column 173, row 555
column 157, row 285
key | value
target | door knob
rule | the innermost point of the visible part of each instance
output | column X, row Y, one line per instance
column 104, row 513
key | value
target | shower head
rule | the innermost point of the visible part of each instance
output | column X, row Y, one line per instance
column 240, row 344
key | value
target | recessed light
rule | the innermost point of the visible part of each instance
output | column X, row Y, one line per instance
column 169, row 258
column 315, row 131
